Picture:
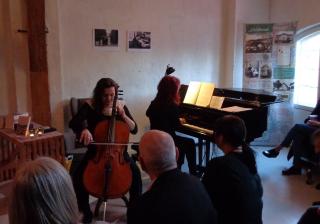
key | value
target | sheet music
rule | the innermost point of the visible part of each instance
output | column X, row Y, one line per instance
column 235, row 109
column 205, row 94
column 192, row 92
column 216, row 102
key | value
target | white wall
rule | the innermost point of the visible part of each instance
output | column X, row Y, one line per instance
column 306, row 12
column 185, row 33
column 237, row 13
column 4, row 104
column 202, row 39
column 14, row 64
column 247, row 11
column 54, row 64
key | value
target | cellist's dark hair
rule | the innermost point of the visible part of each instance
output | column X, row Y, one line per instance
column 233, row 130
column 98, row 91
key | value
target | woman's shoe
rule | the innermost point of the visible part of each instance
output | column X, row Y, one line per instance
column 272, row 153
column 292, row 171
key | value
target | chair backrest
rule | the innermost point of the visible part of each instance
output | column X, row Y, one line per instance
column 72, row 147
column 76, row 103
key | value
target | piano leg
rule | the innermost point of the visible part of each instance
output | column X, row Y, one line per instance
column 200, row 151
column 208, row 144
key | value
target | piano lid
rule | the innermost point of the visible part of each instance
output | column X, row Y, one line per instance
column 251, row 97
column 246, row 94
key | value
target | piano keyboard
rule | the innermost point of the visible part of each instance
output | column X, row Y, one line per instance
column 197, row 128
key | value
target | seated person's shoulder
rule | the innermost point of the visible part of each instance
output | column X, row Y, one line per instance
column 189, row 177
column 224, row 165
column 218, row 161
column 88, row 102
column 176, row 175
column 180, row 180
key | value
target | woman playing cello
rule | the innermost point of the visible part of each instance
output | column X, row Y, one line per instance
column 84, row 123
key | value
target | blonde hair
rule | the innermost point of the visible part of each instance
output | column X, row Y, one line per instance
column 43, row 193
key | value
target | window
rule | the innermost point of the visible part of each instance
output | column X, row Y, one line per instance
column 307, row 69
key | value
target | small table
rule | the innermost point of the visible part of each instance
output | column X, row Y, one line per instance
column 15, row 150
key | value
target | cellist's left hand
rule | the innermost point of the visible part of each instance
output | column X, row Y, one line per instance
column 121, row 111
column 125, row 118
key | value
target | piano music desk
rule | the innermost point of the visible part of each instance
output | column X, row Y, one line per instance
column 15, row 150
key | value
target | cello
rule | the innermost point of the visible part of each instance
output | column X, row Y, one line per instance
column 108, row 175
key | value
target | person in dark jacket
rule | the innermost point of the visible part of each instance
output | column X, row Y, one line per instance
column 163, row 113
column 232, row 180
column 311, row 215
column 299, row 141
column 84, row 123
column 173, row 197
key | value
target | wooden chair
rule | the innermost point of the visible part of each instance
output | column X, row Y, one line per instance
column 76, row 104
column 77, row 151
column 2, row 122
column 70, row 139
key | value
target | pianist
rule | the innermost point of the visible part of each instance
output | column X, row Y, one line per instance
column 299, row 141
column 163, row 114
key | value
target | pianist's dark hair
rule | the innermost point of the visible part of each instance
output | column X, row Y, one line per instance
column 102, row 84
column 168, row 91
column 234, row 132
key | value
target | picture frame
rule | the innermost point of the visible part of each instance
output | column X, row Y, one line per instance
column 139, row 41
column 107, row 39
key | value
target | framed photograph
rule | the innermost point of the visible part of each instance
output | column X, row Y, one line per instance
column 284, row 37
column 106, row 38
column 139, row 41
column 258, row 43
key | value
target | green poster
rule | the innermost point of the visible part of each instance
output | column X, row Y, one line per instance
column 283, row 73
column 259, row 28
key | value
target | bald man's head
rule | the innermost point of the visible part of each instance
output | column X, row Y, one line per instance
column 157, row 152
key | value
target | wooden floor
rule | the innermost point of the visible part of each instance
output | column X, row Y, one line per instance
column 285, row 198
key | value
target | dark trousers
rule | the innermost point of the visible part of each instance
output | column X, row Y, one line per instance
column 186, row 147
column 82, row 194
column 299, row 137
column 311, row 216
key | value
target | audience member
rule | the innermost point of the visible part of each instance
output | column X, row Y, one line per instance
column 316, row 141
column 311, row 216
column 174, row 197
column 43, row 193
column 298, row 139
column 232, row 180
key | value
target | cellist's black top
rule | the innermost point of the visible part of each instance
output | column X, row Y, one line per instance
column 88, row 118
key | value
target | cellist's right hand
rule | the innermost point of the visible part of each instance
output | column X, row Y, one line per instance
column 86, row 137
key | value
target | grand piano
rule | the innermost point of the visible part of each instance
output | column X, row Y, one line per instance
column 199, row 121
